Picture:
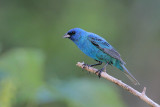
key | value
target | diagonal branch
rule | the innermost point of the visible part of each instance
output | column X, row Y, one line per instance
column 142, row 95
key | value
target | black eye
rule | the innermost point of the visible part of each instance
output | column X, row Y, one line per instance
column 71, row 33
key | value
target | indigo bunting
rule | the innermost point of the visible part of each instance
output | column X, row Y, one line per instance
column 99, row 49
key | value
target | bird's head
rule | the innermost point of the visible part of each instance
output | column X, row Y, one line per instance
column 74, row 34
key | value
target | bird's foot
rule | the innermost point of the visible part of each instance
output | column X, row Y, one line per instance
column 86, row 65
column 99, row 72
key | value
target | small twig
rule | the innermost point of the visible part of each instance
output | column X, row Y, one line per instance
column 142, row 95
column 144, row 91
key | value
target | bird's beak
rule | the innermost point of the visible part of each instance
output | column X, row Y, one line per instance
column 66, row 36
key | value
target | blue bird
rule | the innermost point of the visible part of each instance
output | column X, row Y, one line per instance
column 99, row 49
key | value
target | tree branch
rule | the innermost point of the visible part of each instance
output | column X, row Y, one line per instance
column 142, row 95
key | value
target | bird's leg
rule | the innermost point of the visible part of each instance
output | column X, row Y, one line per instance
column 100, row 71
column 99, row 63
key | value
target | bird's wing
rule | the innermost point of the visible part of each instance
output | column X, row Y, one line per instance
column 104, row 46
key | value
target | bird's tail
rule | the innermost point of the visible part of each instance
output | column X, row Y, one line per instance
column 129, row 75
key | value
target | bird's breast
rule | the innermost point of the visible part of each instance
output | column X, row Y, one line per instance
column 90, row 50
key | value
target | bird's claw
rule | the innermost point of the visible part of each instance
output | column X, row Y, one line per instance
column 84, row 65
column 99, row 72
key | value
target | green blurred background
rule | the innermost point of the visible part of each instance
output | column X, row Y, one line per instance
column 37, row 66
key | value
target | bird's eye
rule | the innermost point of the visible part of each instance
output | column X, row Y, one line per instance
column 71, row 33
